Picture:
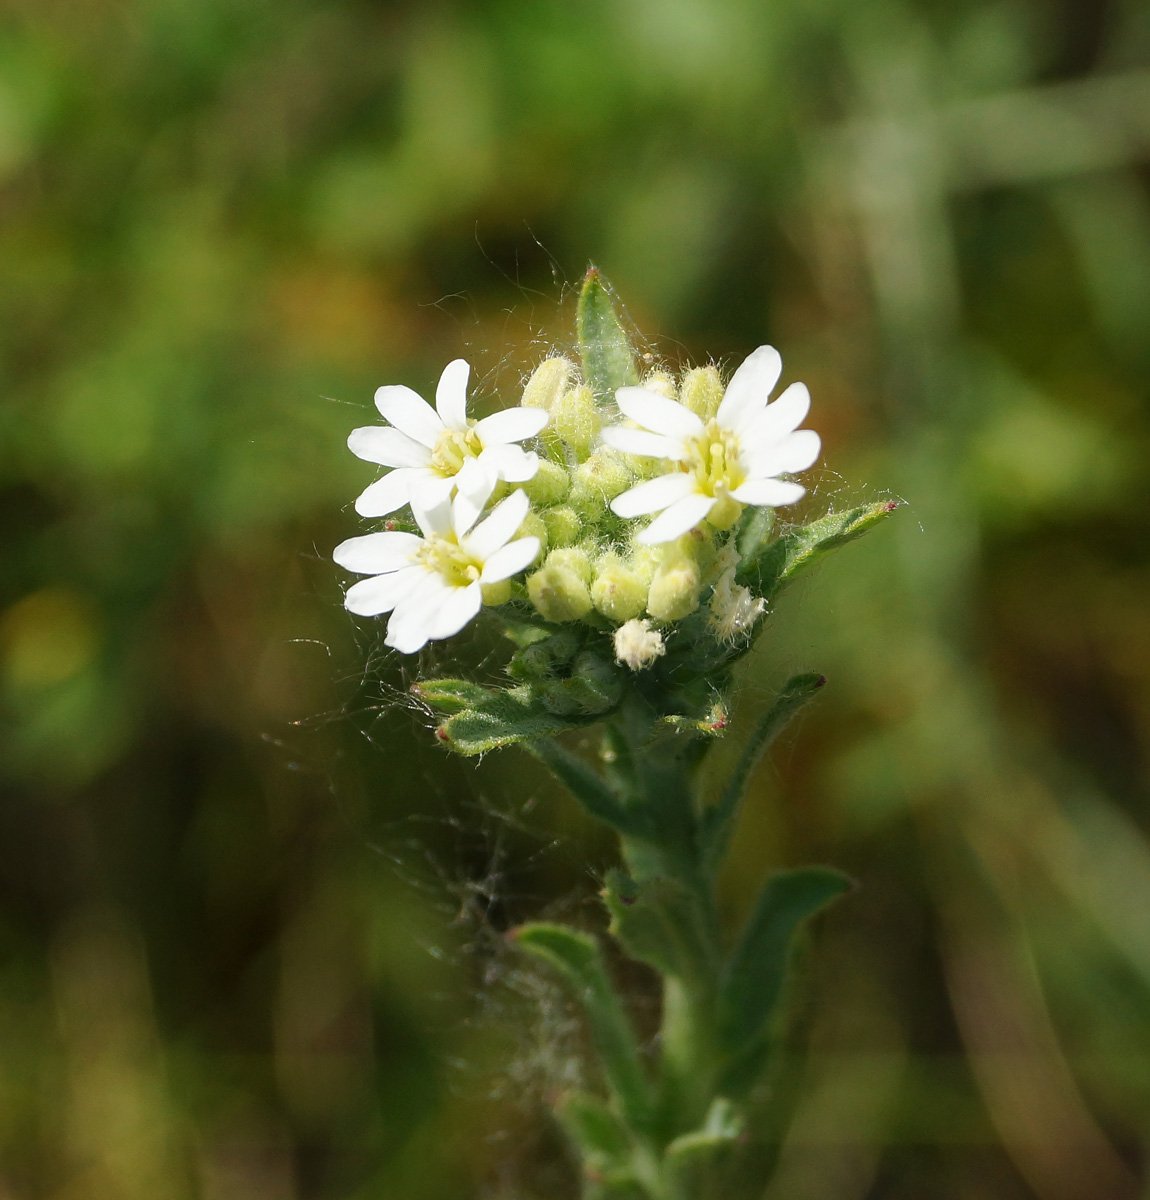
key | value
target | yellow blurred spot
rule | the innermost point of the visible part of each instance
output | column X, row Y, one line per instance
column 47, row 637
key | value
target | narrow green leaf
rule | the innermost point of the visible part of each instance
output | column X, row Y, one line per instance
column 587, row 786
column 579, row 960
column 608, row 360
column 451, row 695
column 753, row 978
column 773, row 566
column 719, row 821
column 656, row 923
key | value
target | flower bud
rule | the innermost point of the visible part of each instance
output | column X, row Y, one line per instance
column 559, row 588
column 549, row 484
column 637, row 645
column 547, row 383
column 661, row 383
column 534, row 526
column 495, row 594
column 598, row 481
column 674, row 590
column 576, row 421
column 702, row 391
column 563, row 524
column 724, row 514
column 619, row 590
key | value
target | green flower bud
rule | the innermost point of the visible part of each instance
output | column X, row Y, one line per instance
column 598, row 481
column 661, row 383
column 534, row 526
column 496, row 593
column 724, row 514
column 619, row 590
column 563, row 524
column 550, row 484
column 559, row 588
column 702, row 391
column 675, row 588
column 576, row 421
column 547, row 383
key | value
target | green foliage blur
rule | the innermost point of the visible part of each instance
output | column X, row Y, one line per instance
column 251, row 936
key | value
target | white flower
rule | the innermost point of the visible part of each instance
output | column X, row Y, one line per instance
column 719, row 465
column 433, row 585
column 429, row 449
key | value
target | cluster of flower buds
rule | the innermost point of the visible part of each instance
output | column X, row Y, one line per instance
column 569, row 531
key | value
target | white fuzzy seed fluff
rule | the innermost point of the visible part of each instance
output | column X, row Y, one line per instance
column 733, row 610
column 637, row 645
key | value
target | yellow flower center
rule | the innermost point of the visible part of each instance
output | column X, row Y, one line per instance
column 453, row 449
column 448, row 559
column 714, row 459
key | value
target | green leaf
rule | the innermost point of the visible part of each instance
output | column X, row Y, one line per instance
column 451, row 695
column 695, row 1163
column 597, row 796
column 602, row 1138
column 502, row 718
column 768, row 570
column 719, row 821
column 753, row 978
column 579, row 960
column 593, row 687
column 608, row 360
column 616, row 1185
column 656, row 923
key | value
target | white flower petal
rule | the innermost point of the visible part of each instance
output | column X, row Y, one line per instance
column 393, row 491
column 653, row 495
column 657, row 413
column 779, row 418
column 407, row 410
column 455, row 610
column 643, row 443
column 795, row 452
column 431, row 491
column 511, row 425
column 451, row 394
column 381, row 593
column 510, row 560
column 410, row 624
column 511, row 463
column 769, row 492
column 751, row 385
column 388, row 447
column 680, row 518
column 377, row 553
column 498, row 528
column 434, row 517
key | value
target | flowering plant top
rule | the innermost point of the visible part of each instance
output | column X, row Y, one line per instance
column 540, row 515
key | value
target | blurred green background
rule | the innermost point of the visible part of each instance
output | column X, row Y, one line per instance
column 251, row 931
